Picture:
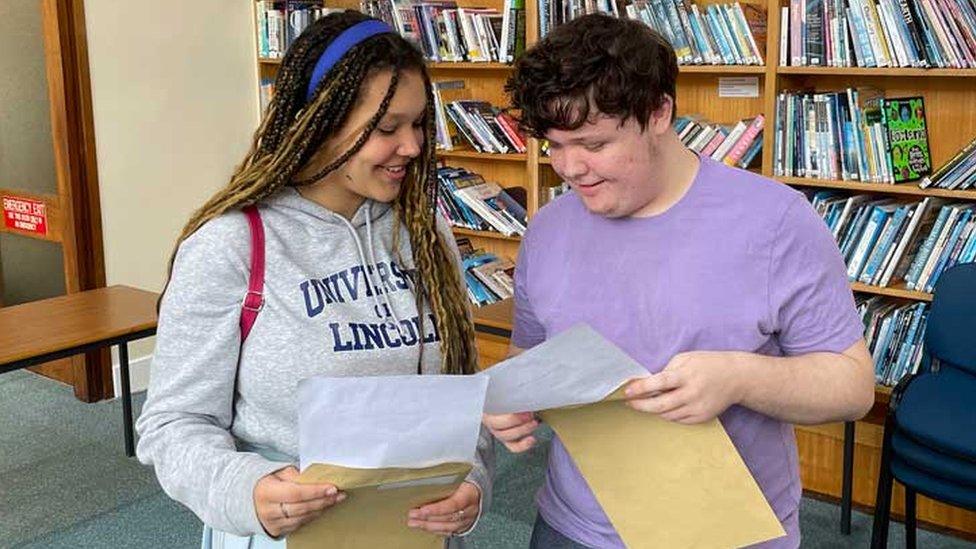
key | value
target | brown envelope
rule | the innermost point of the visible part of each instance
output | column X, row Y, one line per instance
column 664, row 484
column 374, row 513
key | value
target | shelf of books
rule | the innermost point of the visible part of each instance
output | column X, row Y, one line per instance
column 874, row 71
column 864, row 105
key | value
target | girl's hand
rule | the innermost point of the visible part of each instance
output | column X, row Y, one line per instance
column 283, row 505
column 455, row 514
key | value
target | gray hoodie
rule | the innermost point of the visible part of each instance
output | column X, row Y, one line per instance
column 338, row 302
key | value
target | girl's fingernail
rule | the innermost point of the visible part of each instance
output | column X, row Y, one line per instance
column 331, row 491
column 341, row 497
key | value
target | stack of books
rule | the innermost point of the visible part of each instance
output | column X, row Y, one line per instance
column 878, row 33
column 854, row 135
column 893, row 333
column 716, row 34
column 950, row 241
column 446, row 32
column 481, row 126
column 736, row 145
column 488, row 277
column 884, row 240
column 280, row 22
column 959, row 173
column 466, row 200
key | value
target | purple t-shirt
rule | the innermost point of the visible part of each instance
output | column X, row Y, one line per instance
column 740, row 263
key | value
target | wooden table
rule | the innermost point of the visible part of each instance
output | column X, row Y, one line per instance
column 49, row 329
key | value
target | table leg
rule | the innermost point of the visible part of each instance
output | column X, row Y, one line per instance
column 848, row 480
column 126, row 398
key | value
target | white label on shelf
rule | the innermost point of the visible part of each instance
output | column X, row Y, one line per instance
column 738, row 86
column 450, row 85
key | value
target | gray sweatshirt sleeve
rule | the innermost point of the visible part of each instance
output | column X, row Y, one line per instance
column 483, row 472
column 185, row 424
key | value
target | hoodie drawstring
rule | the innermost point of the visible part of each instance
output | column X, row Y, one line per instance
column 366, row 267
column 372, row 258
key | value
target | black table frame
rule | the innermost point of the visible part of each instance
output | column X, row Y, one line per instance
column 123, row 344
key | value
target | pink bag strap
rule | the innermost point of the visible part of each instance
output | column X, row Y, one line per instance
column 254, row 298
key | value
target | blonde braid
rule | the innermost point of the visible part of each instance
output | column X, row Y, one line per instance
column 434, row 261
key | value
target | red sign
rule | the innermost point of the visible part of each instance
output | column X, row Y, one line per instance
column 24, row 214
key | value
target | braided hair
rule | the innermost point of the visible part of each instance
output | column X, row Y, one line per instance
column 291, row 132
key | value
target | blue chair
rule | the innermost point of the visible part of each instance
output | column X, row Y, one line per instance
column 930, row 430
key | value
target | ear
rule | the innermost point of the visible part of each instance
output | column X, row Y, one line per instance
column 660, row 119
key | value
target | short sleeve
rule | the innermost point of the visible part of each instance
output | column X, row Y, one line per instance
column 810, row 301
column 528, row 331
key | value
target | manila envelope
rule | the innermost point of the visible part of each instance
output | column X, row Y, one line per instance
column 374, row 513
column 664, row 484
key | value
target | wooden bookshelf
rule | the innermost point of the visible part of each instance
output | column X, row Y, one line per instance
column 949, row 96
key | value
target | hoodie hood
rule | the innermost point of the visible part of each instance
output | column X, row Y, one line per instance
column 289, row 198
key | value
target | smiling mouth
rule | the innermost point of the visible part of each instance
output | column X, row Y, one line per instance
column 589, row 185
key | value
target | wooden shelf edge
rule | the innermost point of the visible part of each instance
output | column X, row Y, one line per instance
column 432, row 65
column 468, row 65
column 865, row 71
column 909, row 189
column 722, row 69
column 461, row 231
column 473, row 154
column 892, row 291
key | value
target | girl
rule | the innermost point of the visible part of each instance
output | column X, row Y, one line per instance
column 361, row 279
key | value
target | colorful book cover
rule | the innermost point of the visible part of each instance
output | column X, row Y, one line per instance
column 908, row 138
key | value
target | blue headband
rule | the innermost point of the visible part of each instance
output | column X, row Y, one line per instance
column 340, row 46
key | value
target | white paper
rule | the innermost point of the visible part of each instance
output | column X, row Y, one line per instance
column 389, row 421
column 577, row 366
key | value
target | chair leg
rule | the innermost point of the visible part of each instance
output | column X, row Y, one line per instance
column 882, row 504
column 910, row 518
column 848, row 479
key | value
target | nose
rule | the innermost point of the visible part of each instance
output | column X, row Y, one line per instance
column 409, row 144
column 568, row 164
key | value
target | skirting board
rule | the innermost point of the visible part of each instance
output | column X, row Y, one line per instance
column 138, row 373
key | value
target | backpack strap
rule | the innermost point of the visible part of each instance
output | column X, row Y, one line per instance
column 254, row 298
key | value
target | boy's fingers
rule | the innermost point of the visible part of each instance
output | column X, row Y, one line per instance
column 518, row 432
column 521, row 445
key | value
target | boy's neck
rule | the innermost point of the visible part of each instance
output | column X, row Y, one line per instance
column 675, row 171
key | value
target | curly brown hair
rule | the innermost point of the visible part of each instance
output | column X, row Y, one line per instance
column 621, row 67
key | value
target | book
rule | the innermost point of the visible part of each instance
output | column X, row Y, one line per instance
column 908, row 138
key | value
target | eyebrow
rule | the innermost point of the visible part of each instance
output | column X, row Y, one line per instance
column 577, row 140
column 398, row 116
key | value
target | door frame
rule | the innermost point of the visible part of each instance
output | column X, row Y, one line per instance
column 74, row 213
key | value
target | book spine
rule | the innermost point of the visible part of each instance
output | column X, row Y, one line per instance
column 748, row 136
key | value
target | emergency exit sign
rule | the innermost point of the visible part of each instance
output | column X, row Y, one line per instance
column 24, row 214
